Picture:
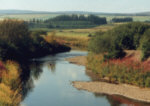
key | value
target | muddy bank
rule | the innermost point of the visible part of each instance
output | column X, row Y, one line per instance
column 129, row 91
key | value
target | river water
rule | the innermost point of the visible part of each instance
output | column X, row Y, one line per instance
column 50, row 84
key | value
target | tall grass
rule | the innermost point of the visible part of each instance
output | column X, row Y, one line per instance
column 121, row 70
column 72, row 41
column 10, row 84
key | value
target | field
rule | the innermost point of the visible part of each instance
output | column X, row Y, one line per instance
column 77, row 38
column 135, row 18
column 46, row 16
column 83, row 32
column 27, row 17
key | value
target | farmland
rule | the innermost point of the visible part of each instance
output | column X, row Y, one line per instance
column 135, row 18
column 47, row 16
column 77, row 38
column 27, row 17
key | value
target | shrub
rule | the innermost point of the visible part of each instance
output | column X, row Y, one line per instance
column 100, row 43
column 10, row 86
column 120, row 70
column 18, row 43
column 113, row 42
column 127, row 19
column 145, row 45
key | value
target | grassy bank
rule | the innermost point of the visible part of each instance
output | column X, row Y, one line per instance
column 121, row 55
column 76, row 38
column 102, row 86
column 126, row 70
column 10, row 87
column 18, row 43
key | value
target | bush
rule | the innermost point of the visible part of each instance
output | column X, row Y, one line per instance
column 39, row 32
column 17, row 42
column 15, row 39
column 100, row 43
column 74, row 21
column 145, row 45
column 127, row 19
column 147, row 82
column 120, row 70
column 113, row 42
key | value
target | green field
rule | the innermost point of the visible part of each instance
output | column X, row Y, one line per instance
column 77, row 38
column 47, row 16
column 27, row 17
column 135, row 18
column 82, row 32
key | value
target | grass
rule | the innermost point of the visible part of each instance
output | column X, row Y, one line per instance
column 72, row 40
column 135, row 18
column 127, row 70
column 83, row 32
column 10, row 84
column 76, row 38
column 28, row 17
column 46, row 16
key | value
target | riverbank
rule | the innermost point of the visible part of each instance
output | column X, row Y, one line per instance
column 129, row 91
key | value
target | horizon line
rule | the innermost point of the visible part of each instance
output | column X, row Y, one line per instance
column 76, row 11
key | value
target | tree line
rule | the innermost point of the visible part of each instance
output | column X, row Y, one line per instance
column 126, row 19
column 129, row 36
column 92, row 18
column 109, row 59
column 18, row 43
column 68, row 21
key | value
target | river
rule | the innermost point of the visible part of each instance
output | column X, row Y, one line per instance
column 50, row 84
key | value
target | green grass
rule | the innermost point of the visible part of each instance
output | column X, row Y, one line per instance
column 77, row 38
column 82, row 32
column 46, row 16
column 135, row 18
column 28, row 16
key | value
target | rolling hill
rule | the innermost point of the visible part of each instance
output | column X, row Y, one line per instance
column 71, row 12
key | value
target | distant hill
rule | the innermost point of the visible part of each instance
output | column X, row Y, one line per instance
column 20, row 12
column 143, row 14
column 72, row 12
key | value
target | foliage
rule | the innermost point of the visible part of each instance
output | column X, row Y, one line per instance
column 71, row 40
column 18, row 43
column 108, row 59
column 100, row 43
column 145, row 45
column 51, row 38
column 15, row 39
column 69, row 21
column 113, row 42
column 39, row 32
column 10, row 86
column 91, row 18
column 126, row 19
column 120, row 70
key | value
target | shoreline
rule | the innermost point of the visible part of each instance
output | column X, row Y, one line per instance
column 126, row 90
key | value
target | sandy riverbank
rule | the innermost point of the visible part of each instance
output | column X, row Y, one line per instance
column 133, row 92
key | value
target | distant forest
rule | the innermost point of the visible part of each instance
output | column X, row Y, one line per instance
column 127, row 19
column 69, row 21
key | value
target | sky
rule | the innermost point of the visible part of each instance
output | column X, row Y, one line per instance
column 110, row 6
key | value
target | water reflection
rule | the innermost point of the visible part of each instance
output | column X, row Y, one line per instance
column 116, row 100
column 52, row 66
column 47, row 81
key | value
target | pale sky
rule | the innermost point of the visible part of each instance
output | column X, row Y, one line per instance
column 111, row 6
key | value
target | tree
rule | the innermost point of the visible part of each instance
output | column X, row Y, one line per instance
column 15, row 38
column 127, row 19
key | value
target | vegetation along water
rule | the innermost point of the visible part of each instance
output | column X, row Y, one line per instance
column 34, row 70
